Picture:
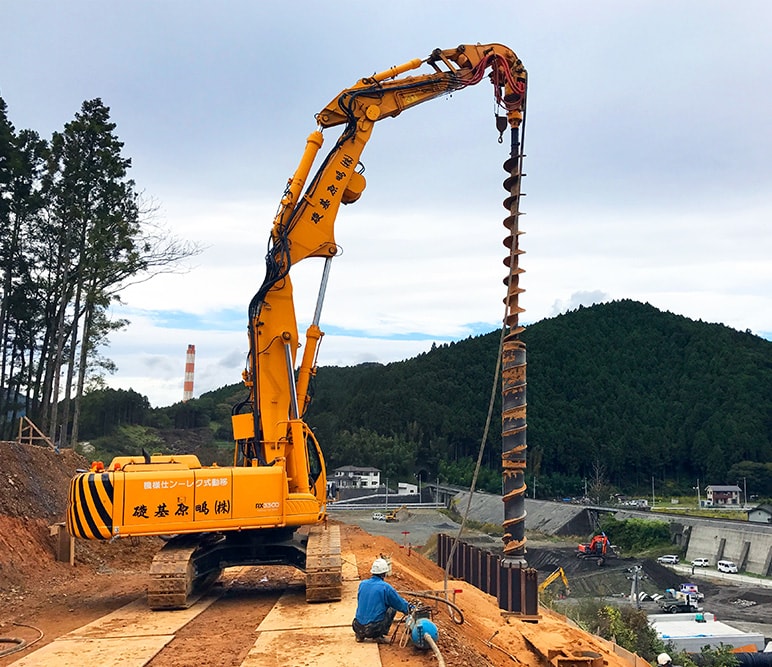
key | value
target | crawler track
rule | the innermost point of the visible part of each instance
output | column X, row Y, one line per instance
column 178, row 572
column 324, row 580
column 188, row 565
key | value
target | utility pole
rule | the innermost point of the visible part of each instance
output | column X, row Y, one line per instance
column 745, row 494
column 698, row 493
column 636, row 575
column 653, row 502
column 387, row 493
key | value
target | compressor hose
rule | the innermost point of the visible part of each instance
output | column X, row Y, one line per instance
column 454, row 611
column 17, row 643
column 435, row 650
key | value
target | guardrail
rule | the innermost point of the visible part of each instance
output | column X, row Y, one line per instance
column 728, row 577
column 339, row 506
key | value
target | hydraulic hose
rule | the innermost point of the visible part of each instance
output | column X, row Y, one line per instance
column 20, row 644
column 435, row 650
column 454, row 611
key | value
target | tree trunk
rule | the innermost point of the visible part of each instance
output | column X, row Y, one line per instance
column 65, row 416
column 88, row 316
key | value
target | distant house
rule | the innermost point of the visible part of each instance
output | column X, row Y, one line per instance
column 723, row 496
column 356, row 477
column 761, row 514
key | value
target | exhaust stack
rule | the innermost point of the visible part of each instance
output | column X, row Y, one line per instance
column 190, row 362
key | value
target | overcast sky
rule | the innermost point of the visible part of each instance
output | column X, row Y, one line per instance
column 648, row 163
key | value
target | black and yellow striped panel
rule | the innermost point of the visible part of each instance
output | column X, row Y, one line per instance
column 90, row 510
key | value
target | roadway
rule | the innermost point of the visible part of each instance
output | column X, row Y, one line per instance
column 722, row 578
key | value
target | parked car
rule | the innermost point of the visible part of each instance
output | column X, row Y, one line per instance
column 701, row 562
column 668, row 559
column 726, row 566
column 379, row 516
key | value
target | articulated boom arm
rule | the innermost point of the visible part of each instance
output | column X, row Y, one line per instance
column 268, row 426
column 383, row 95
column 557, row 574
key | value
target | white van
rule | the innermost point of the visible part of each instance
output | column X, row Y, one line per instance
column 726, row 566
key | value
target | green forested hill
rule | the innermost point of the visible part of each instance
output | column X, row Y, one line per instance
column 648, row 393
column 618, row 390
column 618, row 394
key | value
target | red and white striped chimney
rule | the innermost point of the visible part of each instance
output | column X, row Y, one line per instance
column 190, row 362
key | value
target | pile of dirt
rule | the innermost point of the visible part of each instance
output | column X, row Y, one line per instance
column 55, row 598
column 34, row 481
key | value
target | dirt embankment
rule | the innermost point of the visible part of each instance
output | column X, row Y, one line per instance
column 38, row 594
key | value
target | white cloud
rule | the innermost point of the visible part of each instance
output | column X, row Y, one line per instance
column 647, row 161
column 578, row 299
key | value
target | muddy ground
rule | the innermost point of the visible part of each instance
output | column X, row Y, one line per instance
column 41, row 599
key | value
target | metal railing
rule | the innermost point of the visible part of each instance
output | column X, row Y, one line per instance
column 348, row 507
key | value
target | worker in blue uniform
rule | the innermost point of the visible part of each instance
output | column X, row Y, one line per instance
column 377, row 604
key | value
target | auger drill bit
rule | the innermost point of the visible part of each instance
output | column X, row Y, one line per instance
column 513, row 375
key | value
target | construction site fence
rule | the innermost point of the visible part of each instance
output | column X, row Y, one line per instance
column 515, row 587
column 632, row 659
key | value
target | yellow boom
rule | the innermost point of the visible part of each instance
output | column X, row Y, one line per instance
column 557, row 574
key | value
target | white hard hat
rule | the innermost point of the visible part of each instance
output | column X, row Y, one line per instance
column 663, row 659
column 380, row 566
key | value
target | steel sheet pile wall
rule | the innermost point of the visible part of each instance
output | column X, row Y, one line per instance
column 515, row 587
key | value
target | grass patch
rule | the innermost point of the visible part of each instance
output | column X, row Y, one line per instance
column 492, row 529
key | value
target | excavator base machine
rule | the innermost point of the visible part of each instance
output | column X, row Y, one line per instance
column 598, row 548
column 557, row 574
column 211, row 523
column 187, row 565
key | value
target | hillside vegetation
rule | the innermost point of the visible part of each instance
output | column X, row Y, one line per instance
column 617, row 393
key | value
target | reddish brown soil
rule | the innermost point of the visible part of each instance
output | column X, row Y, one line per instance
column 40, row 595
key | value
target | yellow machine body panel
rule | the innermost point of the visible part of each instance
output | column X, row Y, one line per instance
column 166, row 497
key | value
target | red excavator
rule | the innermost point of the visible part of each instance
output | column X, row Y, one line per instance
column 599, row 547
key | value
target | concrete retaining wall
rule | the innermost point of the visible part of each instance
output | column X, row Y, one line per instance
column 750, row 549
column 747, row 544
column 545, row 517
